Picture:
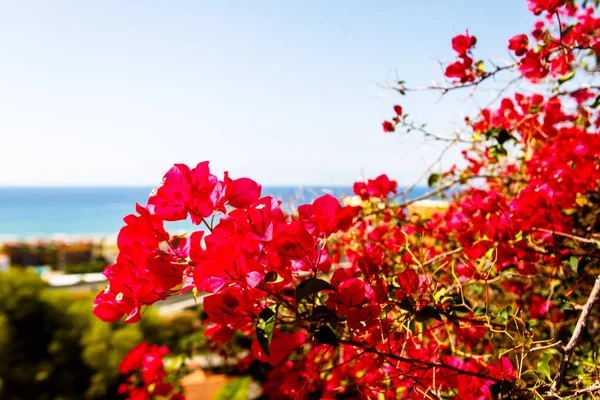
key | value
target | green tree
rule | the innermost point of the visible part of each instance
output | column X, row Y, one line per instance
column 53, row 347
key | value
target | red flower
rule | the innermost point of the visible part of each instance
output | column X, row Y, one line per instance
column 461, row 70
column 388, row 127
column 380, row 187
column 539, row 6
column 463, row 43
column 518, row 44
column 240, row 193
column 146, row 361
column 185, row 190
column 561, row 64
column 326, row 216
column 532, row 67
column 539, row 307
column 582, row 95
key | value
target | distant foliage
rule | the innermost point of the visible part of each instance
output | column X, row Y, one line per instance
column 51, row 346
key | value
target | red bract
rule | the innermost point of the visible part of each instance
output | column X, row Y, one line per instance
column 240, row 193
column 561, row 64
column 461, row 70
column 539, row 307
column 539, row 6
column 518, row 44
column 463, row 43
column 142, row 274
column 533, row 67
column 184, row 191
column 146, row 374
column 388, row 126
column 326, row 216
column 380, row 187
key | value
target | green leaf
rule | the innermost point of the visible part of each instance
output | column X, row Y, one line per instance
column 323, row 314
column 531, row 374
column 177, row 239
column 566, row 77
column 428, row 312
column 264, row 327
column 497, row 150
column 324, row 335
column 574, row 263
column 388, row 308
column 237, row 389
column 433, row 179
column 452, row 317
column 503, row 136
column 439, row 295
column 532, row 323
column 500, row 388
column 408, row 304
column 568, row 28
column 195, row 294
column 311, row 286
column 479, row 311
column 272, row 277
column 519, row 236
column 543, row 366
column 596, row 102
column 504, row 314
column 461, row 310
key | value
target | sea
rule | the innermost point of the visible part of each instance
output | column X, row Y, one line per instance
column 29, row 213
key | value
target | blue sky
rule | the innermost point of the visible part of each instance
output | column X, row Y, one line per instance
column 113, row 92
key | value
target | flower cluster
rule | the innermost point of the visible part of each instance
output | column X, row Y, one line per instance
column 463, row 70
column 146, row 374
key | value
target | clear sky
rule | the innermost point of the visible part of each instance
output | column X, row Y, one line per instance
column 286, row 92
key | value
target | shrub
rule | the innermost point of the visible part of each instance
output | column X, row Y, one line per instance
column 496, row 297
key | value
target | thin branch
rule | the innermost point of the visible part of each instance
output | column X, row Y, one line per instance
column 415, row 361
column 410, row 126
column 405, row 193
column 568, row 235
column 546, row 347
column 461, row 180
column 568, row 351
column 594, row 388
column 446, row 89
column 560, row 30
column 441, row 256
column 429, row 194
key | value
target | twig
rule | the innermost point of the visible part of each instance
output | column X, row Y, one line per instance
column 446, row 89
column 568, row 351
column 594, row 388
column 568, row 235
column 410, row 126
column 429, row 194
column 560, row 30
column 443, row 255
column 405, row 193
column 415, row 361
column 461, row 180
column 548, row 346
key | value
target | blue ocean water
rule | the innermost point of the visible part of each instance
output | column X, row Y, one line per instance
column 55, row 212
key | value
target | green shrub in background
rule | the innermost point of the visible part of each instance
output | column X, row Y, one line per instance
column 52, row 347
column 97, row 265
